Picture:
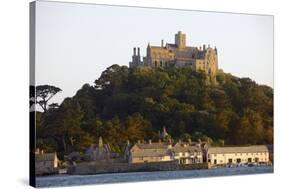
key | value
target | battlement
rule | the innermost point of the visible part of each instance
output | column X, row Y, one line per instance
column 178, row 55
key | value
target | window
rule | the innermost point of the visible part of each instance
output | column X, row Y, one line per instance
column 161, row 64
column 155, row 63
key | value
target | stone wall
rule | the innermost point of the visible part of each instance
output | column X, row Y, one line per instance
column 87, row 168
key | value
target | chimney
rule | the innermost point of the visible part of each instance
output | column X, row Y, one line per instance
column 204, row 47
column 138, row 51
column 162, row 43
column 134, row 51
column 208, row 45
column 149, row 141
column 139, row 141
column 200, row 48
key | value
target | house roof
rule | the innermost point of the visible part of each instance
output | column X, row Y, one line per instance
column 151, row 153
column 183, row 147
column 95, row 148
column 45, row 157
column 243, row 149
column 152, row 145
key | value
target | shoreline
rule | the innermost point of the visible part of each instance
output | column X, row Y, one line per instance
column 108, row 178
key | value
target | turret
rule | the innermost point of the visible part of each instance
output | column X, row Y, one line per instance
column 204, row 47
column 180, row 40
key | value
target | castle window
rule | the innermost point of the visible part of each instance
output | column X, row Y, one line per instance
column 166, row 64
column 155, row 63
column 161, row 64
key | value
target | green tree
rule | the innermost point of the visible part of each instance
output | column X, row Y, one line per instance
column 44, row 93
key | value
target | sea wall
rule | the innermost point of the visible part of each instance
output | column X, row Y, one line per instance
column 87, row 168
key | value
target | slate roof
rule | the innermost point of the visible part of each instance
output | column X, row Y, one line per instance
column 152, row 146
column 45, row 157
column 182, row 147
column 151, row 153
column 243, row 149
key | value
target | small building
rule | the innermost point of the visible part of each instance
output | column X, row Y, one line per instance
column 186, row 153
column 150, row 152
column 237, row 155
column 46, row 163
column 100, row 153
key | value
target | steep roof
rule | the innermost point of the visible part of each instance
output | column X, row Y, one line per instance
column 183, row 147
column 243, row 149
column 152, row 145
column 45, row 157
column 151, row 153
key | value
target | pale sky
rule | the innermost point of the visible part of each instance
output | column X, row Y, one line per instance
column 76, row 42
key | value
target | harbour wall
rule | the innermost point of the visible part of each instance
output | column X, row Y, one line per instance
column 100, row 168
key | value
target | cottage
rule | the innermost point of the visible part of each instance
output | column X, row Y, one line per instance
column 237, row 155
column 150, row 152
column 46, row 163
column 186, row 153
column 100, row 153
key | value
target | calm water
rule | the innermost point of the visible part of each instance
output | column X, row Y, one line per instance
column 71, row 180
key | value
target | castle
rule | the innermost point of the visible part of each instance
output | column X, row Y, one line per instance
column 179, row 55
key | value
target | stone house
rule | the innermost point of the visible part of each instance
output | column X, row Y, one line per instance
column 186, row 153
column 46, row 163
column 100, row 153
column 150, row 152
column 237, row 155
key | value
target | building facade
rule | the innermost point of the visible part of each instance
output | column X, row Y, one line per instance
column 185, row 153
column 178, row 55
column 150, row 152
column 100, row 153
column 46, row 163
column 237, row 155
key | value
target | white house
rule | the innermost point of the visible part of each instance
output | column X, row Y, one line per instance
column 236, row 155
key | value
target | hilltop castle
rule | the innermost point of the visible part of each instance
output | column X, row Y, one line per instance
column 179, row 55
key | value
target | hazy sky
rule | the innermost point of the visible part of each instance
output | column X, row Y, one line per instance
column 76, row 42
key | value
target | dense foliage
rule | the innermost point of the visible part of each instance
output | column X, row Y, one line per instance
column 135, row 103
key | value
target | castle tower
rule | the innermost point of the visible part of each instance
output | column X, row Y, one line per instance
column 136, row 59
column 180, row 40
